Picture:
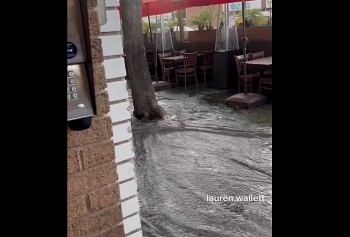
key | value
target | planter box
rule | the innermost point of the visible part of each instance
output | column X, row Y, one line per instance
column 260, row 39
column 202, row 36
column 177, row 36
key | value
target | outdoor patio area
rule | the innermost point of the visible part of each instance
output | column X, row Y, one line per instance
column 200, row 61
column 216, row 137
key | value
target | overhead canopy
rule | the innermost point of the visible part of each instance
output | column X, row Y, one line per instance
column 157, row 7
column 197, row 3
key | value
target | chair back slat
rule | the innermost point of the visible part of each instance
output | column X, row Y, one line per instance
column 256, row 55
column 190, row 59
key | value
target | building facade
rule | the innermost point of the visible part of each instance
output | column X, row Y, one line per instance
column 102, row 189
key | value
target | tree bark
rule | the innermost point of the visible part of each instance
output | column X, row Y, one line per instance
column 143, row 94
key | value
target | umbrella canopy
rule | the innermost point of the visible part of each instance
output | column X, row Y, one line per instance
column 198, row 3
column 157, row 7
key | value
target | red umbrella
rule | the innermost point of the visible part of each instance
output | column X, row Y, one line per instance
column 157, row 7
column 197, row 3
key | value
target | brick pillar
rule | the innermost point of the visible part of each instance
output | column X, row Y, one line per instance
column 94, row 203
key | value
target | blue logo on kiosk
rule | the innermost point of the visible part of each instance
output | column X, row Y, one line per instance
column 71, row 50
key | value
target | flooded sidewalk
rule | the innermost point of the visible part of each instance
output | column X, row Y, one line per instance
column 192, row 166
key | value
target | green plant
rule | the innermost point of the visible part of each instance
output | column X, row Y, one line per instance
column 221, row 26
column 252, row 18
column 145, row 27
column 204, row 19
column 172, row 23
column 208, row 15
column 198, row 21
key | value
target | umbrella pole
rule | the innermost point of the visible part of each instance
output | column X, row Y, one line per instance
column 149, row 22
column 153, row 46
column 155, row 52
column 162, row 31
column 236, row 33
column 227, row 25
column 244, row 48
column 217, row 31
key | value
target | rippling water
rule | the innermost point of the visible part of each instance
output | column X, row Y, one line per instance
column 204, row 148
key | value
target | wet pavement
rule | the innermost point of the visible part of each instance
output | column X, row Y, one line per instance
column 203, row 148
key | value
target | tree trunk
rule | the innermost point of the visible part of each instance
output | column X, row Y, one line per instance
column 143, row 94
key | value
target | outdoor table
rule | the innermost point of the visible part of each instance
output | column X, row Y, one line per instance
column 261, row 64
column 174, row 59
column 179, row 58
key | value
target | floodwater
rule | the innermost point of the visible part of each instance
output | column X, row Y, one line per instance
column 201, row 150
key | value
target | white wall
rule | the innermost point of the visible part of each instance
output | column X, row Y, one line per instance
column 122, row 135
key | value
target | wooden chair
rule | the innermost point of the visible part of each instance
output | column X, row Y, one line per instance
column 180, row 52
column 265, row 83
column 166, row 67
column 208, row 61
column 253, row 56
column 189, row 68
column 239, row 60
column 256, row 55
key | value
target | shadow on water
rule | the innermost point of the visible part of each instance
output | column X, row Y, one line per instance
column 203, row 148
